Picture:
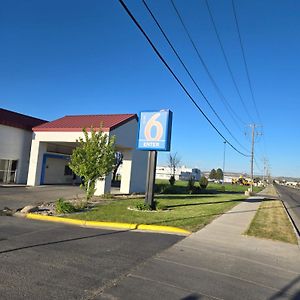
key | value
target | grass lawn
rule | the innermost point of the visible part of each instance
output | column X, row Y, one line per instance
column 271, row 222
column 190, row 212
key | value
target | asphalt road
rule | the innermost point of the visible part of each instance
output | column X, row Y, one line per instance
column 291, row 198
column 40, row 260
column 18, row 197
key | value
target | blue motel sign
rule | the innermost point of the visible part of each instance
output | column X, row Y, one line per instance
column 155, row 130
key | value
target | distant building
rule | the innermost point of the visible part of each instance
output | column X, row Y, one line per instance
column 181, row 173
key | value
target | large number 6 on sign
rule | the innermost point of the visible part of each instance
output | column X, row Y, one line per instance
column 153, row 123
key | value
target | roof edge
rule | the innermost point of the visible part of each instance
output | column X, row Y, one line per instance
column 39, row 128
column 134, row 116
column 72, row 129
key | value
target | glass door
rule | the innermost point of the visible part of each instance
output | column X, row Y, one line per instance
column 8, row 170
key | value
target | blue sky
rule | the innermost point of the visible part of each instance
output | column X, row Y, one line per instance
column 87, row 57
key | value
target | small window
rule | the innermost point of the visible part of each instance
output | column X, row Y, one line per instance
column 68, row 171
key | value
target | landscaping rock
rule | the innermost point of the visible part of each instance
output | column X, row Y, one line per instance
column 6, row 211
column 29, row 209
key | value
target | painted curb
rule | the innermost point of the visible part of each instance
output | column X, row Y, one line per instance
column 113, row 225
column 163, row 228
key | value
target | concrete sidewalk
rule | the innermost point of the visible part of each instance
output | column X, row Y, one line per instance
column 217, row 262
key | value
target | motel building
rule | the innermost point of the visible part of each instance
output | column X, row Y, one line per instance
column 15, row 143
column 52, row 143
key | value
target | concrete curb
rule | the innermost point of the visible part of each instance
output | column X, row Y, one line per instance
column 297, row 232
column 111, row 225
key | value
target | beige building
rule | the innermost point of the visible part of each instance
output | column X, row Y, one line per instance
column 53, row 142
column 15, row 143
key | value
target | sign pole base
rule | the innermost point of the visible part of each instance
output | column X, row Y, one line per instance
column 150, row 184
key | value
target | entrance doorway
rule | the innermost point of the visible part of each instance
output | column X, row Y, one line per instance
column 8, row 171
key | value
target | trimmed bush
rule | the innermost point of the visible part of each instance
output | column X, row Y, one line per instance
column 191, row 185
column 147, row 207
column 203, row 182
column 143, row 206
column 160, row 188
column 172, row 180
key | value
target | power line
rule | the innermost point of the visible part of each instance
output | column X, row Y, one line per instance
column 257, row 166
column 227, row 61
column 221, row 95
column 189, row 73
column 175, row 77
column 244, row 59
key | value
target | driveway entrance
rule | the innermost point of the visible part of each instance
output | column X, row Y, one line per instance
column 17, row 197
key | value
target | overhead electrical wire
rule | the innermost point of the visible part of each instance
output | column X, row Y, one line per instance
column 189, row 73
column 230, row 110
column 176, row 78
column 227, row 61
column 244, row 59
column 246, row 66
column 257, row 166
column 247, row 71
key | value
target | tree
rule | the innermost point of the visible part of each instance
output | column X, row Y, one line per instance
column 191, row 184
column 173, row 163
column 93, row 158
column 118, row 162
column 212, row 174
column 203, row 182
column 219, row 174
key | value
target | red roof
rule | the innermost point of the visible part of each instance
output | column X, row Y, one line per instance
column 76, row 123
column 13, row 119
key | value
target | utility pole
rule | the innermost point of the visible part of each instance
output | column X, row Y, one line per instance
column 265, row 169
column 252, row 154
column 253, row 134
column 224, row 160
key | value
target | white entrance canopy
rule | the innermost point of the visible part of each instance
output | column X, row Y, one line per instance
column 53, row 142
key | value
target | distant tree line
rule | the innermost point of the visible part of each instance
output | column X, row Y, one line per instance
column 216, row 174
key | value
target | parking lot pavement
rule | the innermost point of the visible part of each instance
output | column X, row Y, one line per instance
column 40, row 260
column 19, row 196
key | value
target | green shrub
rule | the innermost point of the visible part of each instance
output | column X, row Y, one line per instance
column 196, row 190
column 143, row 206
column 172, row 180
column 203, row 182
column 191, row 185
column 64, row 207
column 174, row 189
column 156, row 204
column 160, row 188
